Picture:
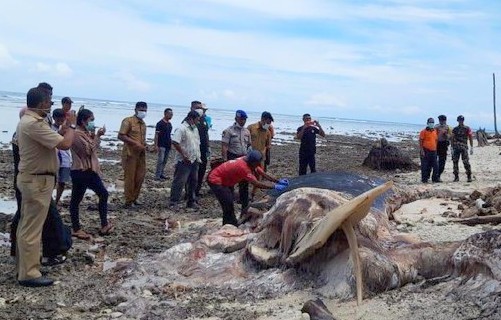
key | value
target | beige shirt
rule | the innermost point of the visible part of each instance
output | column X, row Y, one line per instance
column 37, row 145
column 189, row 139
column 83, row 151
column 238, row 139
column 134, row 128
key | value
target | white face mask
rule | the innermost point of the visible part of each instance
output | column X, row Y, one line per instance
column 141, row 114
column 266, row 126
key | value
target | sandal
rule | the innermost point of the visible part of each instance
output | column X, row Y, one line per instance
column 80, row 234
column 52, row 261
column 106, row 230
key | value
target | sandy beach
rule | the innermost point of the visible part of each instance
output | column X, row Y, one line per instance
column 106, row 278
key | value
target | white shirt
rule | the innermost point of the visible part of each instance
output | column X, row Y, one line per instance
column 189, row 140
column 64, row 156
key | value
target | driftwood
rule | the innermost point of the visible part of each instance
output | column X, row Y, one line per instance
column 482, row 137
column 384, row 156
column 495, row 219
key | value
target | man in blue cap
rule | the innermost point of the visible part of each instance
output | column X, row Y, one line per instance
column 236, row 141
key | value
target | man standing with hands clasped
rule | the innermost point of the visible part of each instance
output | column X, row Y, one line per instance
column 460, row 136
column 37, row 171
column 133, row 133
column 307, row 133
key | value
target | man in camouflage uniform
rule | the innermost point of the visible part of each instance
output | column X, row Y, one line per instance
column 460, row 136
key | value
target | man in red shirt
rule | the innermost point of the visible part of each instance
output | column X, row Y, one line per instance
column 222, row 179
column 428, row 140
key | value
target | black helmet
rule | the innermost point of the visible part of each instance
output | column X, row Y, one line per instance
column 442, row 117
column 254, row 156
column 460, row 118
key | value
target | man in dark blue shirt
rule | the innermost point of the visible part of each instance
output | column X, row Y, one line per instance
column 163, row 143
column 307, row 133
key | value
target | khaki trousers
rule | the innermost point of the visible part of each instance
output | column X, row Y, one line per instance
column 36, row 196
column 134, row 166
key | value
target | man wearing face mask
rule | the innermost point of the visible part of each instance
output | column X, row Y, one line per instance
column 235, row 143
column 133, row 133
column 37, row 170
column 261, row 137
column 428, row 140
column 186, row 141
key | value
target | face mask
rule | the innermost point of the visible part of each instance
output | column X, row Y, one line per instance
column 430, row 125
column 266, row 126
column 141, row 114
column 45, row 112
column 90, row 126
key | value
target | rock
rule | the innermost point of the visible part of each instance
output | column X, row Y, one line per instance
column 317, row 310
column 475, row 195
column 115, row 315
column 469, row 212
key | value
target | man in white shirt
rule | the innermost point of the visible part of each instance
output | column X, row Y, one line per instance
column 186, row 141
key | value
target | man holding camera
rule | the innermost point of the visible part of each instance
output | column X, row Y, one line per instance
column 307, row 133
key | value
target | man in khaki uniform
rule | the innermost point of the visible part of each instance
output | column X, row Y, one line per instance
column 37, row 170
column 133, row 134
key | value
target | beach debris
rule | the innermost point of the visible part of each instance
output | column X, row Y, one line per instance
column 482, row 137
column 384, row 156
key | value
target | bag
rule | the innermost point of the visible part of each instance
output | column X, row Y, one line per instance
column 56, row 236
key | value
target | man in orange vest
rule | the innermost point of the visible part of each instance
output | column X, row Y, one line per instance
column 428, row 140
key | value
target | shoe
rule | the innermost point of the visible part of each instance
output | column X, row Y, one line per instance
column 164, row 177
column 106, row 230
column 82, row 235
column 52, row 261
column 128, row 205
column 37, row 282
column 174, row 206
column 456, row 179
column 137, row 203
column 193, row 206
column 469, row 179
column 161, row 178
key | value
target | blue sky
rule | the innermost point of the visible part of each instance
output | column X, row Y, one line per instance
column 400, row 60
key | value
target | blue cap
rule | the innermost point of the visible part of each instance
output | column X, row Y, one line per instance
column 241, row 114
column 254, row 156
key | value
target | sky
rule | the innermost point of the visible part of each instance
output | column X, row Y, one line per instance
column 388, row 60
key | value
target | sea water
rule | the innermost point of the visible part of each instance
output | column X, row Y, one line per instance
column 110, row 114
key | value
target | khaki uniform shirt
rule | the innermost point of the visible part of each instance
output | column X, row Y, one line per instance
column 261, row 138
column 238, row 139
column 134, row 128
column 37, row 145
column 189, row 139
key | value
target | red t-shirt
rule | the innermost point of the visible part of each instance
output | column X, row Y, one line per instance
column 232, row 172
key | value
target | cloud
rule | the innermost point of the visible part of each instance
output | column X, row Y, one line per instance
column 59, row 69
column 131, row 82
column 326, row 99
column 6, row 60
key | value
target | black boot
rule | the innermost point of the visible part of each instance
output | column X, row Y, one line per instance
column 456, row 178
column 469, row 178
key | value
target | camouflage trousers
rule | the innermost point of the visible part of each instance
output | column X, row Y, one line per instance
column 457, row 152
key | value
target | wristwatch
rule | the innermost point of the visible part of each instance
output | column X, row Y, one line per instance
column 72, row 126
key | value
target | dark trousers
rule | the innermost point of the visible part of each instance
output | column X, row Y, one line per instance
column 243, row 187
column 306, row 160
column 202, row 167
column 185, row 174
column 225, row 197
column 81, row 181
column 442, row 147
column 461, row 152
column 429, row 163
column 54, row 236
